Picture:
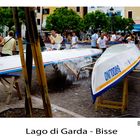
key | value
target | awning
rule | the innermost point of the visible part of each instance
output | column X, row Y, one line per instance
column 136, row 28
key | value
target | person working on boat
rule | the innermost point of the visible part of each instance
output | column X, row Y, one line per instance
column 94, row 38
column 56, row 40
column 74, row 41
column 102, row 42
column 113, row 37
column 130, row 40
column 9, row 45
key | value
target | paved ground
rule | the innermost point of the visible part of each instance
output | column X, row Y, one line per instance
column 74, row 100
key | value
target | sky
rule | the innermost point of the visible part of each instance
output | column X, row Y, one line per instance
column 70, row 3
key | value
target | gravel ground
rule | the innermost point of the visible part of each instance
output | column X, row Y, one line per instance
column 75, row 98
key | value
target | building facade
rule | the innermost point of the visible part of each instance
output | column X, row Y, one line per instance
column 118, row 10
column 134, row 13
column 43, row 12
column 81, row 11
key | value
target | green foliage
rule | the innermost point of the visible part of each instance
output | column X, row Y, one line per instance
column 6, row 17
column 99, row 20
column 127, row 24
column 89, row 20
column 122, row 24
column 21, row 14
column 96, row 20
column 64, row 19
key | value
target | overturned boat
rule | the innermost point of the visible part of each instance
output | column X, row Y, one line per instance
column 10, row 64
column 113, row 65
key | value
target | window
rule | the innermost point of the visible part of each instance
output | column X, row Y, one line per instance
column 118, row 13
column 46, row 11
column 100, row 6
column 38, row 21
column 38, row 9
column 85, row 10
column 78, row 9
column 129, row 14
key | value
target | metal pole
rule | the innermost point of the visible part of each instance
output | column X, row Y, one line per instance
column 28, row 103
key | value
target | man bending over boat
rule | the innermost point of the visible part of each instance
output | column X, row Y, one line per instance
column 102, row 42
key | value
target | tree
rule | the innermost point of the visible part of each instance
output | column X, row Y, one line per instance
column 120, row 23
column 127, row 24
column 64, row 19
column 96, row 20
column 100, row 20
column 89, row 20
column 6, row 17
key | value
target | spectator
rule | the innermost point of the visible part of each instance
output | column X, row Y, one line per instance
column 82, row 36
column 102, row 42
column 113, row 37
column 130, row 40
column 64, row 42
column 94, row 38
column 56, row 40
column 74, row 41
column 9, row 45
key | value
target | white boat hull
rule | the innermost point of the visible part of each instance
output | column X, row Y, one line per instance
column 10, row 64
column 113, row 65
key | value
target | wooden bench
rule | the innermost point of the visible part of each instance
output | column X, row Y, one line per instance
column 10, row 84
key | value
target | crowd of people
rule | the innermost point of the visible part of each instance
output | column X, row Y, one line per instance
column 8, row 44
column 97, row 39
column 57, row 41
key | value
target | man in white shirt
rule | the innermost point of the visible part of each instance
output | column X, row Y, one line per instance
column 113, row 37
column 130, row 40
column 74, row 41
column 102, row 41
column 9, row 44
column 94, row 38
column 56, row 40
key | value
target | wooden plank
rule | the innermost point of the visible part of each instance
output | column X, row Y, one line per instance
column 114, row 104
column 36, row 52
column 111, row 102
column 28, row 103
column 18, row 90
column 71, row 69
column 125, row 94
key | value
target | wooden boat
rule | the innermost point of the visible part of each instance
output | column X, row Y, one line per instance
column 10, row 64
column 112, row 66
